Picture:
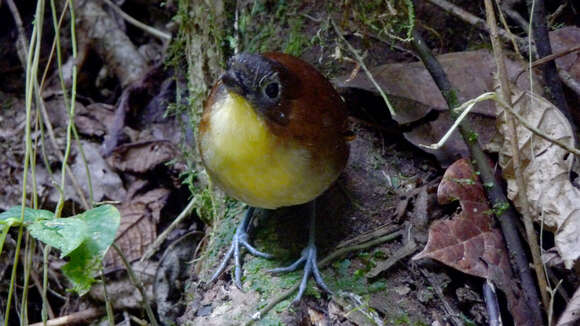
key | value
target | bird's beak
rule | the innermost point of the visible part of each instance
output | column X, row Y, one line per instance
column 233, row 83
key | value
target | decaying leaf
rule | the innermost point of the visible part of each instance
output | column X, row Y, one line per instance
column 95, row 120
column 469, row 242
column 546, row 170
column 139, row 215
column 563, row 39
column 571, row 316
column 142, row 157
column 414, row 95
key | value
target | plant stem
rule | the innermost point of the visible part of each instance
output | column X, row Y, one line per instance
column 505, row 95
column 507, row 218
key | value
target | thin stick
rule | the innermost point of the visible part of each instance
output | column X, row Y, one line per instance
column 537, row 131
column 151, row 30
column 464, row 108
column 138, row 284
column 507, row 218
column 547, row 59
column 493, row 96
column 505, row 95
column 77, row 317
column 477, row 22
column 362, row 64
column 157, row 243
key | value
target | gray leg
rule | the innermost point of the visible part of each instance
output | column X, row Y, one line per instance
column 308, row 257
column 240, row 240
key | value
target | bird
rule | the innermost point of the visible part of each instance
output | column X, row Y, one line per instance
column 273, row 134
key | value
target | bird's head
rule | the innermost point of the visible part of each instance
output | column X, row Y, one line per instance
column 260, row 81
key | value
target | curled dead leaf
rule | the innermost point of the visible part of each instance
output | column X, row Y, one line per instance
column 571, row 316
column 546, row 168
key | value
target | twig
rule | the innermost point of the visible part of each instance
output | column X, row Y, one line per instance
column 477, row 22
column 448, row 307
column 321, row 264
column 506, row 217
column 557, row 12
column 407, row 249
column 362, row 64
column 464, row 108
column 507, row 28
column 505, row 95
column 547, row 59
column 74, row 318
column 151, row 30
column 159, row 240
column 569, row 81
column 138, row 284
column 514, row 15
column 537, row 131
column 237, row 28
column 493, row 96
column 490, row 298
column 551, row 306
column 543, row 48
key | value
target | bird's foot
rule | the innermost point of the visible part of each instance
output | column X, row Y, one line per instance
column 308, row 258
column 239, row 240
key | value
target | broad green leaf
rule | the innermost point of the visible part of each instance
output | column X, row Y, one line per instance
column 65, row 234
column 30, row 215
column 83, row 264
column 102, row 224
column 3, row 232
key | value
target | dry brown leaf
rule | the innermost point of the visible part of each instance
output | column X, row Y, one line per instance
column 571, row 316
column 563, row 39
column 95, row 120
column 469, row 242
column 414, row 94
column 141, row 157
column 546, row 170
column 138, row 218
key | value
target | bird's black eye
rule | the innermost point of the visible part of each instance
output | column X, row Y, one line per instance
column 272, row 90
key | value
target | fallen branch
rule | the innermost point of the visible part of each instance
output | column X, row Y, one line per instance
column 506, row 217
column 74, row 318
column 505, row 94
column 539, row 30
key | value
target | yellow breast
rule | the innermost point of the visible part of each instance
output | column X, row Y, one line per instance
column 252, row 164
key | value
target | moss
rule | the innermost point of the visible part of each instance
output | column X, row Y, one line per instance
column 385, row 19
column 297, row 41
column 500, row 208
column 402, row 319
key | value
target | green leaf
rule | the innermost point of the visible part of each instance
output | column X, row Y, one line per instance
column 102, row 224
column 3, row 232
column 65, row 234
column 13, row 214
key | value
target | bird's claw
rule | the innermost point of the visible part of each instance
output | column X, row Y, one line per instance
column 308, row 257
column 239, row 240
